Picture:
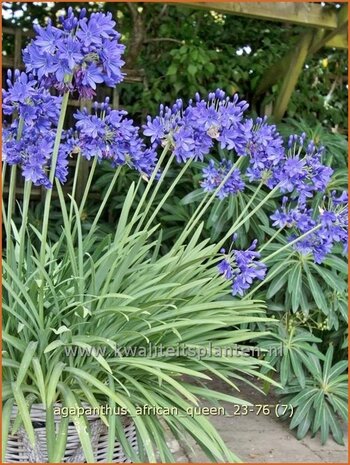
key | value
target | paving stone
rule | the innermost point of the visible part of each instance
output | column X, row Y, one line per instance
column 264, row 439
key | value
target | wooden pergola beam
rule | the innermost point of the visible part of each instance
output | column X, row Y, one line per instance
column 331, row 38
column 333, row 34
column 304, row 14
column 338, row 41
column 311, row 42
column 324, row 28
column 291, row 75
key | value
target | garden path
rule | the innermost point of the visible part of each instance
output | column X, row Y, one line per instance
column 263, row 439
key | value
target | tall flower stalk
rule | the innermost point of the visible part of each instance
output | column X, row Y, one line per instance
column 48, row 194
column 22, row 233
column 12, row 194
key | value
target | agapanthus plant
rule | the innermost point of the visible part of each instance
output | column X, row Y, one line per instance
column 83, row 293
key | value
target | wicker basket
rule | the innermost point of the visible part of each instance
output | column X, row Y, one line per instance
column 19, row 448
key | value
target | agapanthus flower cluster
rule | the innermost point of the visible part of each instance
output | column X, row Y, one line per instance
column 26, row 99
column 297, row 171
column 242, row 267
column 261, row 143
column 302, row 171
column 191, row 132
column 28, row 140
column 109, row 135
column 265, row 150
column 80, row 54
column 223, row 173
column 33, row 154
column 330, row 224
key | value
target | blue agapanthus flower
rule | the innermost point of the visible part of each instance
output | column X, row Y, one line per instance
column 223, row 172
column 242, row 267
column 225, row 267
column 300, row 175
column 331, row 222
column 20, row 90
column 29, row 138
column 26, row 99
column 192, row 131
column 33, row 154
column 78, row 55
column 282, row 217
column 302, row 170
column 109, row 135
column 265, row 150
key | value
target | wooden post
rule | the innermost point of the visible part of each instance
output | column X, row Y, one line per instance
column 291, row 75
column 17, row 58
column 115, row 99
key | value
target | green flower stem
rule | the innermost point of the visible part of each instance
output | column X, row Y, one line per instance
column 47, row 204
column 12, row 197
column 169, row 191
column 200, row 211
column 3, row 174
column 271, row 238
column 251, row 200
column 69, row 240
column 149, row 183
column 4, row 216
column 88, row 185
column 154, row 193
column 286, row 246
column 103, row 204
column 316, row 228
column 83, row 200
column 74, row 187
column 22, row 233
column 51, row 177
column 10, row 206
column 10, row 209
column 268, row 278
column 4, row 221
column 237, row 224
column 202, row 208
column 204, row 205
column 85, row 194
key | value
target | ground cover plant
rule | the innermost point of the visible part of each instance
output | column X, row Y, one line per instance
column 88, row 289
